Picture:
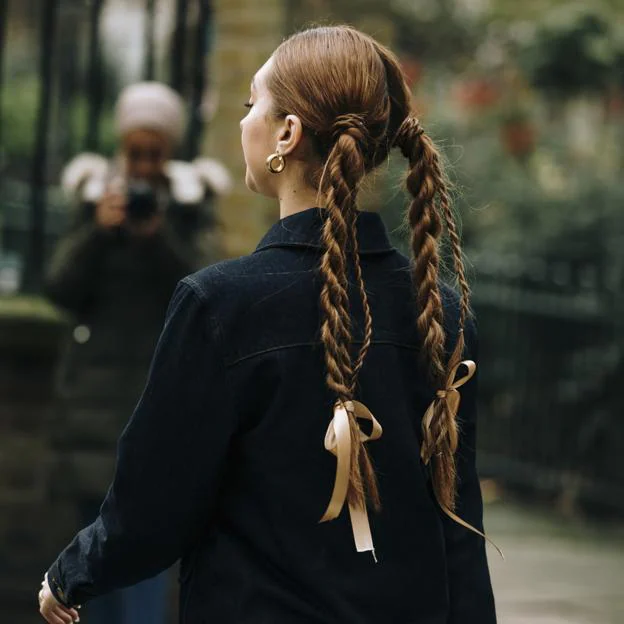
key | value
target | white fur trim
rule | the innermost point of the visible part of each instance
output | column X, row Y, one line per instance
column 214, row 175
column 85, row 176
column 186, row 185
column 81, row 169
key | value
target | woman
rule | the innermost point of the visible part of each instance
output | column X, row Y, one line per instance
column 222, row 463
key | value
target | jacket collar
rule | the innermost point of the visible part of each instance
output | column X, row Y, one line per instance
column 304, row 229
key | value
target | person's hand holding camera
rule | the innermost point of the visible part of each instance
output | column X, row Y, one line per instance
column 111, row 211
column 116, row 210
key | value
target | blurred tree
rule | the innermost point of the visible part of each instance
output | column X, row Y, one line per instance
column 3, row 21
column 95, row 78
column 533, row 10
column 178, row 46
column 150, row 60
column 68, row 54
column 574, row 51
column 429, row 30
column 18, row 120
column 35, row 257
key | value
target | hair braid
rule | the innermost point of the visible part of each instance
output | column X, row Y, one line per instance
column 342, row 174
column 444, row 427
column 368, row 317
column 426, row 227
column 430, row 206
column 458, row 262
column 336, row 326
column 366, row 467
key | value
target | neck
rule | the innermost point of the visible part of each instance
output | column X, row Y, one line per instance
column 292, row 201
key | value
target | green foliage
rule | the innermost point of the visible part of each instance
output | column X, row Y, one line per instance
column 548, row 204
column 20, row 109
column 19, row 116
column 506, row 207
column 429, row 30
column 108, row 137
column 32, row 308
column 576, row 49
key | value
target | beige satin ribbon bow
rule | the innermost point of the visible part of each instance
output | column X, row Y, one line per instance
column 453, row 399
column 338, row 442
column 451, row 396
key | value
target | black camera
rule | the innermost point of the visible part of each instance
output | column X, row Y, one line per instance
column 142, row 203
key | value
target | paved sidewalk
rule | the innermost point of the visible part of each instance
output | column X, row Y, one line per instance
column 556, row 571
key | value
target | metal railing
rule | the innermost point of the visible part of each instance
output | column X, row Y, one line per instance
column 552, row 353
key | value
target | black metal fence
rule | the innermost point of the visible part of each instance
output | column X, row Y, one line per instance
column 69, row 76
column 552, row 353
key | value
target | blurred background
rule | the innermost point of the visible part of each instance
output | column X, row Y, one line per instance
column 527, row 101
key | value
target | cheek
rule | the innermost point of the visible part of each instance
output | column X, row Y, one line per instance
column 255, row 151
column 252, row 138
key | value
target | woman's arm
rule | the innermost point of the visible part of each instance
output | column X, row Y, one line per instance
column 471, row 598
column 170, row 458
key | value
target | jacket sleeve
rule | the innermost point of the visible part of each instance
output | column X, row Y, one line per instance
column 169, row 462
column 76, row 262
column 471, row 598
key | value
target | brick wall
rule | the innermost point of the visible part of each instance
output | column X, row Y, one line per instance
column 246, row 34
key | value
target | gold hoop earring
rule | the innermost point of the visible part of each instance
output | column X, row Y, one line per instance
column 281, row 163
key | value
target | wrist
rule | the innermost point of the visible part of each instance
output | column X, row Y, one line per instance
column 53, row 579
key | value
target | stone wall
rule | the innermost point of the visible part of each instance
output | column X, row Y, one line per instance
column 32, row 526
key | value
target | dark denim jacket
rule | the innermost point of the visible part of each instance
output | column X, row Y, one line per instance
column 223, row 464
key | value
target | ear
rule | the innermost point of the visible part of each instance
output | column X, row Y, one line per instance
column 289, row 135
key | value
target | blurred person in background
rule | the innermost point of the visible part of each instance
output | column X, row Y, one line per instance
column 143, row 221
column 272, row 368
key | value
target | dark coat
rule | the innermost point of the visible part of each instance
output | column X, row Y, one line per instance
column 117, row 287
column 223, row 462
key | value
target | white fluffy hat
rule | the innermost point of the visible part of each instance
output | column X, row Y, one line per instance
column 151, row 106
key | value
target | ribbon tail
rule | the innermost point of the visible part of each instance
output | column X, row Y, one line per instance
column 361, row 530
column 465, row 524
column 341, row 440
